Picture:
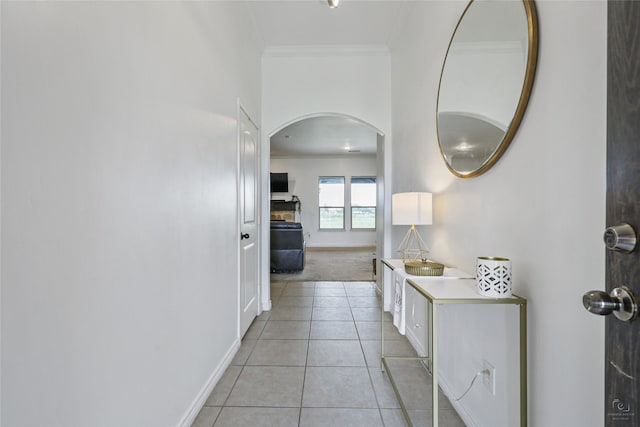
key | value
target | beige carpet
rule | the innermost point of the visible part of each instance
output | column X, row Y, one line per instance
column 342, row 264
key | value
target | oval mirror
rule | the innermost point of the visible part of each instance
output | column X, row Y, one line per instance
column 485, row 83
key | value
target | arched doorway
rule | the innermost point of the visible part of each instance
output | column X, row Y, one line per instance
column 339, row 139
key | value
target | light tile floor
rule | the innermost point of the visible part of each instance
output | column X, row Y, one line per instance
column 314, row 360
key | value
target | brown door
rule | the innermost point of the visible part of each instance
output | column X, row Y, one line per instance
column 622, row 338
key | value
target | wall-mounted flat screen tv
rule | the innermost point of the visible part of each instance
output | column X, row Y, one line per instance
column 279, row 182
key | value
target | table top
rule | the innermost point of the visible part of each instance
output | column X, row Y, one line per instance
column 453, row 287
column 448, row 273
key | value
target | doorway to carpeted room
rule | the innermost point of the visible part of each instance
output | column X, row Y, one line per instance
column 334, row 264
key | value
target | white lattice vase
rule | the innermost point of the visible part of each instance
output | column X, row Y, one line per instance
column 493, row 277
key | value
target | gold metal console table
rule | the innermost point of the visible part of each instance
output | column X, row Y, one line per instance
column 452, row 291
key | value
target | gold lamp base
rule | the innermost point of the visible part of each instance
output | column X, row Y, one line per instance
column 412, row 247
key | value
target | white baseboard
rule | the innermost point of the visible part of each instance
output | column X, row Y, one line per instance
column 266, row 306
column 442, row 382
column 202, row 397
column 387, row 305
column 458, row 406
column 415, row 342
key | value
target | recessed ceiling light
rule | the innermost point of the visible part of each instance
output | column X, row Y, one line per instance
column 333, row 3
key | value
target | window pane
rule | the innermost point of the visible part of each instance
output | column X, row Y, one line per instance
column 332, row 180
column 332, row 218
column 363, row 218
column 363, row 202
column 331, row 192
column 363, row 179
column 363, row 191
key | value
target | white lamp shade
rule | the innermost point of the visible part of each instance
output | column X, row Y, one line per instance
column 412, row 208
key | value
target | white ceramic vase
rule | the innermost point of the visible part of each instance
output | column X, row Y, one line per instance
column 493, row 277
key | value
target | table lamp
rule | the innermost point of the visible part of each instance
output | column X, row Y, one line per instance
column 413, row 208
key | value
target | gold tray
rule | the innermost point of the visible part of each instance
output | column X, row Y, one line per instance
column 419, row 268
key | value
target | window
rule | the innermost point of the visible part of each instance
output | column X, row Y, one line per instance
column 331, row 202
column 363, row 203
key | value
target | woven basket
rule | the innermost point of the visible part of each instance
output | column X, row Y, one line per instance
column 419, row 268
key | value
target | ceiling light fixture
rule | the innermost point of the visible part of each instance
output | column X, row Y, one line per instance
column 333, row 3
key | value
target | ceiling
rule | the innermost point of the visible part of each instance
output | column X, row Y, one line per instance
column 312, row 22
column 303, row 23
column 324, row 136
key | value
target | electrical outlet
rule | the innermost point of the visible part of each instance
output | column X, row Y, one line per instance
column 489, row 376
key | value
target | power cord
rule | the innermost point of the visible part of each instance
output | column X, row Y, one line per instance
column 475, row 377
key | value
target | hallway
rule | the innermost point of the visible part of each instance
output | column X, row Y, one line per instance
column 314, row 360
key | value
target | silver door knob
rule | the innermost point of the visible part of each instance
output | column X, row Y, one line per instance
column 621, row 303
column 621, row 238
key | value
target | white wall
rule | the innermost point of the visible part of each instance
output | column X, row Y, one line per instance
column 303, row 181
column 542, row 205
column 119, row 218
column 347, row 80
column 295, row 85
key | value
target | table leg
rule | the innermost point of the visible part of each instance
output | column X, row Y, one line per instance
column 382, row 326
column 523, row 365
column 434, row 363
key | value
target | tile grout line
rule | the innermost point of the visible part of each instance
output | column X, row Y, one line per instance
column 373, row 388
column 260, row 338
column 306, row 360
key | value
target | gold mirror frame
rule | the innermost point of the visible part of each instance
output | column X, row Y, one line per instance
column 532, row 58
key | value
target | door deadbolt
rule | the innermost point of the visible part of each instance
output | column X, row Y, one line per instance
column 621, row 238
column 621, row 303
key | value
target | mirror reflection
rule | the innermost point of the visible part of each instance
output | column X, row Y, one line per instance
column 485, row 83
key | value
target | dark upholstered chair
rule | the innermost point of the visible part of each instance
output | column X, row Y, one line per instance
column 287, row 247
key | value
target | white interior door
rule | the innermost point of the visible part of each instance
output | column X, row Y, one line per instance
column 249, row 242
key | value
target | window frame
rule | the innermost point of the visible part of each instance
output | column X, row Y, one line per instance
column 351, row 206
column 343, row 207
